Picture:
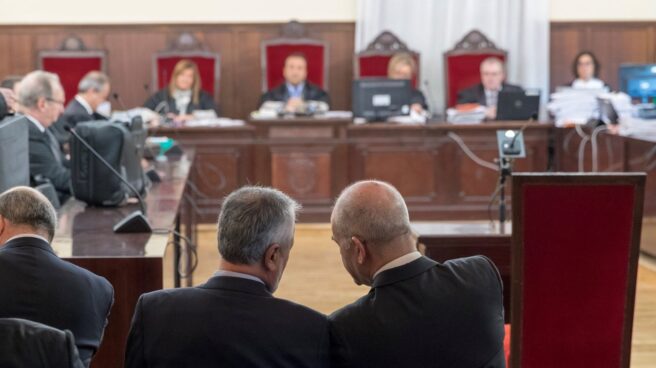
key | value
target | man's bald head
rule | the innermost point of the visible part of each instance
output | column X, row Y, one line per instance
column 26, row 207
column 371, row 210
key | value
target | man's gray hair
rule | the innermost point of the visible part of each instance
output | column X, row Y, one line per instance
column 378, row 214
column 93, row 81
column 251, row 219
column 26, row 206
column 37, row 84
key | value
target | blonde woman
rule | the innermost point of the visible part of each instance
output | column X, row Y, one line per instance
column 404, row 66
column 183, row 95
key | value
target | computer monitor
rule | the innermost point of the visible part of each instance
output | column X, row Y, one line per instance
column 14, row 152
column 518, row 105
column 638, row 81
column 377, row 99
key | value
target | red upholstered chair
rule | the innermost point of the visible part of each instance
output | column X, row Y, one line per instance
column 372, row 61
column 293, row 39
column 576, row 240
column 71, row 62
column 462, row 63
column 186, row 46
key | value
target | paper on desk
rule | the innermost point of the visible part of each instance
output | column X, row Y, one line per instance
column 214, row 122
column 473, row 116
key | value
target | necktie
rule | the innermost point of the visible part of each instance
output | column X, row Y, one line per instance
column 54, row 145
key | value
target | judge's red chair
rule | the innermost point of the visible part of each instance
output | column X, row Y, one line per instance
column 373, row 61
column 575, row 246
column 294, row 40
column 462, row 63
column 186, row 46
column 71, row 62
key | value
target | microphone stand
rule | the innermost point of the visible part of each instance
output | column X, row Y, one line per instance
column 135, row 222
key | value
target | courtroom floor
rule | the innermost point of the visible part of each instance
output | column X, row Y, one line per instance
column 315, row 277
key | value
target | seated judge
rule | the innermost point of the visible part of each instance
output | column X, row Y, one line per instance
column 37, row 285
column 92, row 92
column 183, row 95
column 486, row 93
column 403, row 66
column 41, row 100
column 586, row 72
column 418, row 312
column 233, row 320
column 296, row 90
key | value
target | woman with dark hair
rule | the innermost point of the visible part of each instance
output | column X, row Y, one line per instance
column 183, row 94
column 586, row 72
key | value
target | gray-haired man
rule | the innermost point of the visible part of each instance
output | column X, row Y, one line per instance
column 37, row 285
column 92, row 93
column 233, row 320
column 41, row 99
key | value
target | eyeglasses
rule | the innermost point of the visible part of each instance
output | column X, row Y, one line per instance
column 55, row 101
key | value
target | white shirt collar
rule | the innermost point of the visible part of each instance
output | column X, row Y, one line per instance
column 401, row 261
column 27, row 236
column 41, row 128
column 84, row 104
column 223, row 273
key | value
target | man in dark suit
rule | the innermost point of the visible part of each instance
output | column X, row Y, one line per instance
column 92, row 92
column 37, row 285
column 41, row 98
column 486, row 93
column 233, row 320
column 418, row 313
column 26, row 343
column 296, row 90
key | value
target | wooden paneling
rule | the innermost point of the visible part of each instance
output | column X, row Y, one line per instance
column 614, row 43
column 130, row 49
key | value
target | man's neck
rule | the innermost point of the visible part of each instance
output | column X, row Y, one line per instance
column 245, row 269
column 19, row 233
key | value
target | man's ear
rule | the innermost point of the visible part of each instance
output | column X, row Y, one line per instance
column 360, row 250
column 41, row 103
column 3, row 225
column 272, row 256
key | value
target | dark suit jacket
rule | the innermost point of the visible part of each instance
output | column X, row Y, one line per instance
column 4, row 108
column 205, row 102
column 74, row 113
column 227, row 322
column 476, row 93
column 44, row 162
column 311, row 92
column 37, row 285
column 26, row 343
column 416, row 96
column 424, row 314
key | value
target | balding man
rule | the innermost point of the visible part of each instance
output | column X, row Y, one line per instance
column 418, row 313
column 41, row 99
column 233, row 320
column 37, row 285
column 486, row 93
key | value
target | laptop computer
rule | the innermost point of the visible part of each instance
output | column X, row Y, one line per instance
column 518, row 105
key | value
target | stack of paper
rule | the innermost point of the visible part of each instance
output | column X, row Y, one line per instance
column 574, row 106
column 465, row 116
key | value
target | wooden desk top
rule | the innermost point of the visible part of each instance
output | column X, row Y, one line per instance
column 87, row 231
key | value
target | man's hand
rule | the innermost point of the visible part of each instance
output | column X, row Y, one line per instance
column 293, row 104
column 491, row 113
column 10, row 99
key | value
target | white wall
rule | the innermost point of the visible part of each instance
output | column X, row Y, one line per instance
column 603, row 10
column 266, row 11
column 174, row 11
